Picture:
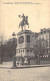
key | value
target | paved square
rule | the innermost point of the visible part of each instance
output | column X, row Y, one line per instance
column 25, row 74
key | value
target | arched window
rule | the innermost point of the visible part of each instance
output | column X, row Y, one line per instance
column 28, row 38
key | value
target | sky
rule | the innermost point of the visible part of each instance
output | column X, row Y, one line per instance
column 36, row 10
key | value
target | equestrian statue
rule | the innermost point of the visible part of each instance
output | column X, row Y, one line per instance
column 24, row 21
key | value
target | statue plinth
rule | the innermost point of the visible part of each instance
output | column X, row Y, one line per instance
column 24, row 43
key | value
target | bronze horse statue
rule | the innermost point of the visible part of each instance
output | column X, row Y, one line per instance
column 24, row 21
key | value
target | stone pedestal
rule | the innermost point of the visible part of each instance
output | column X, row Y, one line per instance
column 24, row 44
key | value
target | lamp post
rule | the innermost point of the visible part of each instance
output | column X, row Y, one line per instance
column 1, row 47
column 14, row 51
column 1, row 53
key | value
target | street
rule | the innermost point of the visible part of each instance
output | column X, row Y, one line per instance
column 25, row 74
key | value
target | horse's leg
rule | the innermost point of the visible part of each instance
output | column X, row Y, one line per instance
column 22, row 28
column 25, row 27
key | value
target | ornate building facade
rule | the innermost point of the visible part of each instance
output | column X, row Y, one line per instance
column 44, row 36
column 26, row 40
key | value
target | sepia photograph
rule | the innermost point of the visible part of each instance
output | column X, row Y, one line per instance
column 24, row 40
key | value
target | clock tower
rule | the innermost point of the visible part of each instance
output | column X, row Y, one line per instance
column 24, row 44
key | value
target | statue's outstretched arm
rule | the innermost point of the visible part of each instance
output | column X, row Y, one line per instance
column 20, row 16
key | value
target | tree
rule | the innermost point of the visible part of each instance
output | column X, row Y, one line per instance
column 8, row 49
column 38, row 50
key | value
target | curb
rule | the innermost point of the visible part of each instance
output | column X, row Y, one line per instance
column 22, row 67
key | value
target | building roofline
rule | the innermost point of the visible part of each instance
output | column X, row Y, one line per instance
column 44, row 31
column 24, row 31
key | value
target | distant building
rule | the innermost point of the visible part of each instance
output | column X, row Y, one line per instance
column 26, row 40
column 44, row 36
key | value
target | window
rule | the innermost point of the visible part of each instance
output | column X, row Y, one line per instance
column 30, row 50
column 23, row 50
column 28, row 38
column 47, row 36
column 27, row 50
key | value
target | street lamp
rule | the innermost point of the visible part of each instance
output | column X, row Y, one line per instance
column 14, row 51
column 1, row 47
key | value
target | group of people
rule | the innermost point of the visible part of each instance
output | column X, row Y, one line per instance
column 22, row 61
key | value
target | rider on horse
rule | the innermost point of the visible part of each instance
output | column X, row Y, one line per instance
column 24, row 21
